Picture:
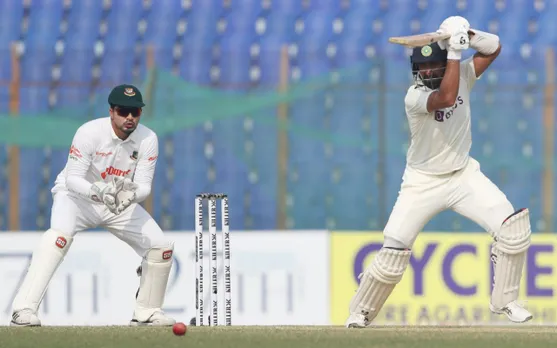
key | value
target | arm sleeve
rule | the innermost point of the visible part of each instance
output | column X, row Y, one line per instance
column 79, row 160
column 145, row 170
column 468, row 72
column 416, row 102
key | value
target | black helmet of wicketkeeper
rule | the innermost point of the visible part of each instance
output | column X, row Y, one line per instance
column 428, row 65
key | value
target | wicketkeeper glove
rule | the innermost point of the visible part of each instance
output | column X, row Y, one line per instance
column 126, row 195
column 106, row 193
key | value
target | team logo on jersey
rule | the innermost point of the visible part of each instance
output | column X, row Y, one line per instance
column 129, row 92
column 426, row 51
column 134, row 156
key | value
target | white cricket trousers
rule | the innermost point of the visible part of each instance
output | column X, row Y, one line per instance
column 468, row 192
column 72, row 214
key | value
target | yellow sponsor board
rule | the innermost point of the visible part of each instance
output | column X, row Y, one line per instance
column 448, row 281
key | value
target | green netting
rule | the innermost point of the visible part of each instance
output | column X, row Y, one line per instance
column 174, row 105
column 180, row 105
column 184, row 104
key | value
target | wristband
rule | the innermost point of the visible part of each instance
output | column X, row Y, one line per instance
column 454, row 55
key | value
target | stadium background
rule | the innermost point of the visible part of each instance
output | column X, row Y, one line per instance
column 292, row 108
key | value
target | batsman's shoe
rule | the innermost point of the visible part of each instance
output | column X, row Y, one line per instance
column 157, row 319
column 357, row 321
column 514, row 311
column 25, row 317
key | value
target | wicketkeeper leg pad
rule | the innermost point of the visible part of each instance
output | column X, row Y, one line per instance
column 378, row 281
column 45, row 261
column 508, row 254
column 155, row 269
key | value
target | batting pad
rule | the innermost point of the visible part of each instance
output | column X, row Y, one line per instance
column 45, row 260
column 509, row 255
column 155, row 269
column 378, row 281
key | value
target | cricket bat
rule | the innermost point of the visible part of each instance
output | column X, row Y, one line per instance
column 419, row 39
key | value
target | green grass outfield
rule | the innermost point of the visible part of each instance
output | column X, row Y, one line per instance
column 280, row 337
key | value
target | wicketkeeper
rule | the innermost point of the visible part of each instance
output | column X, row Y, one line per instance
column 110, row 168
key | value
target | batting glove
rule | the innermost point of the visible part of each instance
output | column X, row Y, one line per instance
column 454, row 24
column 443, row 44
column 458, row 43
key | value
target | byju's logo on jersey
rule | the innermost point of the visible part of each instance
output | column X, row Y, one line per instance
column 439, row 115
column 442, row 115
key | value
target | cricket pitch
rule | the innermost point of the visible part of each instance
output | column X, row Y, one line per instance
column 279, row 337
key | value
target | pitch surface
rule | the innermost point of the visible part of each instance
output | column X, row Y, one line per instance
column 279, row 337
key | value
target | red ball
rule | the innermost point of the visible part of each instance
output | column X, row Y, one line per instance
column 179, row 329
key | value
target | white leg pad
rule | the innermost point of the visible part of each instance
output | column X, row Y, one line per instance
column 46, row 258
column 509, row 255
column 378, row 281
column 155, row 269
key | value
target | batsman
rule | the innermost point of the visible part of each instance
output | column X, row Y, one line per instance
column 109, row 171
column 441, row 175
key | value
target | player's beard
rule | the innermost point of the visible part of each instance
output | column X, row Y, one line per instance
column 127, row 126
column 128, row 129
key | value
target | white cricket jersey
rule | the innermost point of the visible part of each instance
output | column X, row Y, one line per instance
column 440, row 140
column 97, row 154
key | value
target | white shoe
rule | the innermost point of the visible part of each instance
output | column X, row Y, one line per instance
column 157, row 319
column 514, row 311
column 25, row 317
column 357, row 321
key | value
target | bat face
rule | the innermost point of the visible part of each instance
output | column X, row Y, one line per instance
column 419, row 39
